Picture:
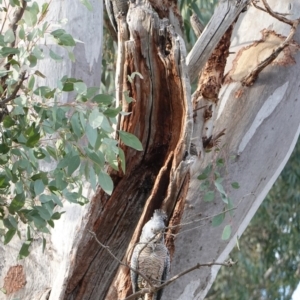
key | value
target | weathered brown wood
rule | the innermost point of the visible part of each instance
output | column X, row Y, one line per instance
column 159, row 118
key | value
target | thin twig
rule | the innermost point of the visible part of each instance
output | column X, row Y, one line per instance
column 250, row 78
column 17, row 17
column 211, row 216
column 262, row 9
column 276, row 15
column 15, row 91
column 119, row 261
column 13, row 25
column 230, row 263
column 199, row 107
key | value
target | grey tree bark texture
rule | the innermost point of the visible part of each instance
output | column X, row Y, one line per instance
column 262, row 126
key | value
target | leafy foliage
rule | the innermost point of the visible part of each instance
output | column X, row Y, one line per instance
column 268, row 262
column 48, row 148
column 214, row 186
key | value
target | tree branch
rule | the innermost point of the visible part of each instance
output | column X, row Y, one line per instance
column 250, row 78
column 230, row 263
column 276, row 15
column 119, row 261
column 13, row 25
column 225, row 14
column 15, row 91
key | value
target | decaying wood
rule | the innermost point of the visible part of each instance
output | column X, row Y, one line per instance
column 225, row 14
column 160, row 115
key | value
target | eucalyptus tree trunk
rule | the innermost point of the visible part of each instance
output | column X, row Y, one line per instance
column 244, row 127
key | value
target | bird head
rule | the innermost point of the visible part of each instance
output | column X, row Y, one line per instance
column 154, row 228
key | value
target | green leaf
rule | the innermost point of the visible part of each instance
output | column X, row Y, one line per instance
column 9, row 36
column 103, row 99
column 55, row 56
column 45, row 198
column 204, row 175
column 226, row 232
column 87, row 4
column 51, row 151
column 95, row 118
column 24, row 251
column 97, row 157
column 91, row 134
column 22, row 33
column 209, row 196
column 4, row 148
column 9, row 235
column 130, row 140
column 8, row 122
column 39, row 221
column 44, row 91
column 218, row 220
column 112, row 112
column 106, row 183
column 56, row 200
column 204, row 186
column 74, row 164
column 235, row 185
column 30, row 17
column 63, row 38
column 76, row 127
column 219, row 187
column 38, row 53
column 92, row 178
column 57, row 215
column 224, row 198
column 43, row 212
column 66, row 161
column 128, row 99
column 39, row 154
column 220, row 162
column 39, row 187
column 80, row 87
column 31, row 82
column 71, row 197
column 33, row 140
column 17, row 203
column 6, row 51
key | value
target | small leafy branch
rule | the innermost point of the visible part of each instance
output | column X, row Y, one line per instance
column 48, row 148
column 212, row 183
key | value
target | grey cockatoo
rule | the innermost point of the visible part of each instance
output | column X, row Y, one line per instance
column 150, row 256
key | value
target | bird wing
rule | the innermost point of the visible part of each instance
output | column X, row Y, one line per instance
column 135, row 265
column 165, row 274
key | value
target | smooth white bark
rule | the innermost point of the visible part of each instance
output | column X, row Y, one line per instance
column 48, row 271
column 262, row 127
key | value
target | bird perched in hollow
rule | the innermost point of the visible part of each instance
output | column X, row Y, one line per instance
column 151, row 257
